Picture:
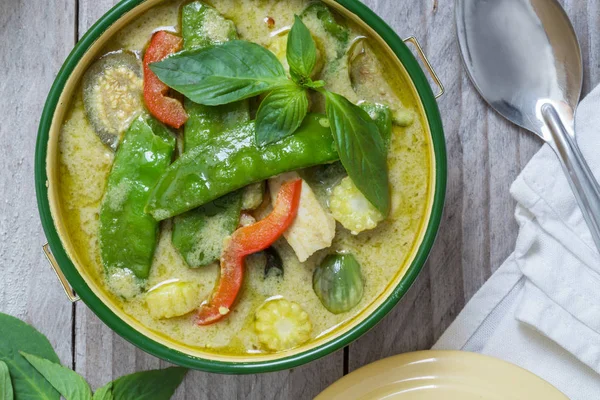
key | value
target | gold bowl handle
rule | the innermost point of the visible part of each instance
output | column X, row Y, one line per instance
column 59, row 274
column 427, row 64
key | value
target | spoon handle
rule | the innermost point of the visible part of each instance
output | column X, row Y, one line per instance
column 580, row 177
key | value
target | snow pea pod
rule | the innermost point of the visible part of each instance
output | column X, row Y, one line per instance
column 203, row 26
column 382, row 116
column 127, row 233
column 198, row 234
column 327, row 19
column 232, row 160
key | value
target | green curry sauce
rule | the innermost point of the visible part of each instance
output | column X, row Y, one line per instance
column 85, row 164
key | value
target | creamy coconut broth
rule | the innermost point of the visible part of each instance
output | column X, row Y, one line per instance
column 360, row 72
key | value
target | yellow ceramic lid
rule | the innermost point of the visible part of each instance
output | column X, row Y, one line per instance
column 435, row 375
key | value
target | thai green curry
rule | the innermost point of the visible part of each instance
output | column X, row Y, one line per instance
column 244, row 176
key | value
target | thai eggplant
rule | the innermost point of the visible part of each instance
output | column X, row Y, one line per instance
column 128, row 234
column 112, row 95
column 338, row 282
column 232, row 160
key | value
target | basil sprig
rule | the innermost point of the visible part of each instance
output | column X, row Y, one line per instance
column 237, row 70
column 29, row 362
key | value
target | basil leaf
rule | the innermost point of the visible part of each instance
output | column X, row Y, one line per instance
column 281, row 113
column 6, row 390
column 67, row 382
column 301, row 49
column 104, row 393
column 361, row 149
column 222, row 73
column 17, row 336
column 150, row 385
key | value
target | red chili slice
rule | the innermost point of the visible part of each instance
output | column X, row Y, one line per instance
column 166, row 109
column 245, row 241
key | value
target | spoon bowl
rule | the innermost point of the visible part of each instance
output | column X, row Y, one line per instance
column 521, row 54
column 524, row 58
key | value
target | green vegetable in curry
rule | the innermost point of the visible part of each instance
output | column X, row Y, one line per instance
column 203, row 26
column 237, row 70
column 327, row 18
column 112, row 89
column 194, row 231
column 338, row 282
column 382, row 116
column 128, row 234
column 231, row 160
column 198, row 234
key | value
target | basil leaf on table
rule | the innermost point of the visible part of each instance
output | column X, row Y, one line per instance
column 18, row 336
column 301, row 50
column 281, row 113
column 361, row 149
column 104, row 393
column 6, row 390
column 67, row 382
column 222, row 73
column 148, row 385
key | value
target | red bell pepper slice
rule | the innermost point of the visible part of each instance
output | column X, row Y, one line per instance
column 245, row 241
column 166, row 109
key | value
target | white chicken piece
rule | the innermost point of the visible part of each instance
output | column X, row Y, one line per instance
column 314, row 227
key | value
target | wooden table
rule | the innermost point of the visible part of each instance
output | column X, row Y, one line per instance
column 478, row 231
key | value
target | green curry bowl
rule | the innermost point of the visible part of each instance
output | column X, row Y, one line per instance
column 69, row 254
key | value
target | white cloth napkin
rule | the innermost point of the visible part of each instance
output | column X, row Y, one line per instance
column 541, row 308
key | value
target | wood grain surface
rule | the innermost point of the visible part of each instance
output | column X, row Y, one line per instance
column 478, row 231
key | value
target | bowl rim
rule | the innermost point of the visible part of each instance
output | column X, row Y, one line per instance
column 126, row 331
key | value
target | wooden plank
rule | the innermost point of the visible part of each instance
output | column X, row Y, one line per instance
column 36, row 41
column 593, row 22
column 102, row 355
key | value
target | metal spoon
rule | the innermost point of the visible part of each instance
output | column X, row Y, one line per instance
column 524, row 59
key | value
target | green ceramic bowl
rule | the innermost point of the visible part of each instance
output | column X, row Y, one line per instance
column 88, row 290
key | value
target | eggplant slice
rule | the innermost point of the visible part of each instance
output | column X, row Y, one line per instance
column 112, row 95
